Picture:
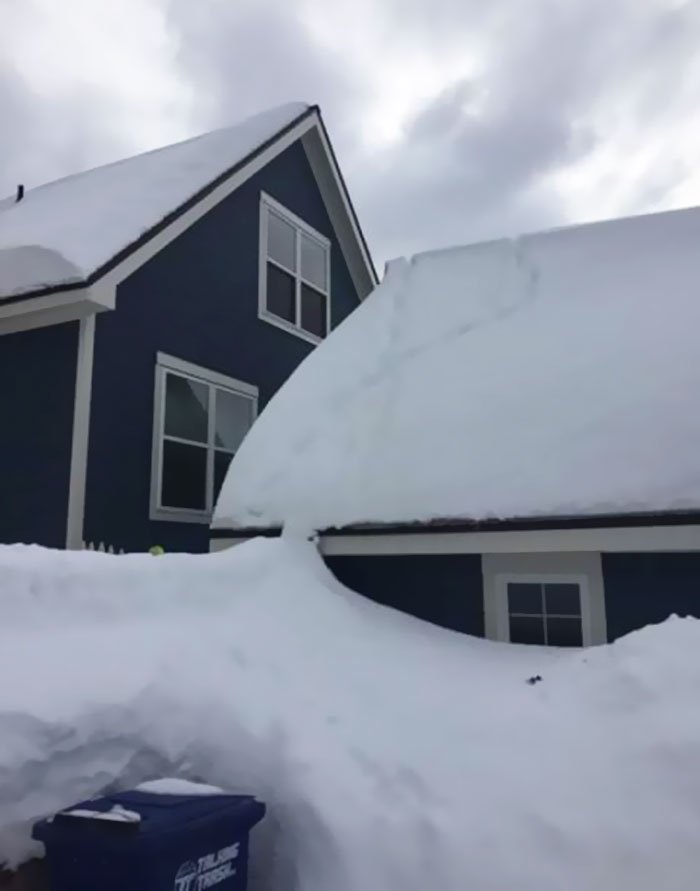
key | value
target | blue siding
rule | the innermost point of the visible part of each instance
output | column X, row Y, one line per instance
column 36, row 406
column 445, row 589
column 641, row 589
column 196, row 300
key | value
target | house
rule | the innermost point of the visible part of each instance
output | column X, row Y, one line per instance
column 504, row 439
column 148, row 310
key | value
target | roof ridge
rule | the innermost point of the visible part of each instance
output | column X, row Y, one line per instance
column 178, row 143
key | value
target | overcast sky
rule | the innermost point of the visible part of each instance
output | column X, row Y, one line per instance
column 454, row 120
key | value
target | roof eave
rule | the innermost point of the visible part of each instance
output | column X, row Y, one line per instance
column 41, row 310
column 121, row 264
column 512, row 524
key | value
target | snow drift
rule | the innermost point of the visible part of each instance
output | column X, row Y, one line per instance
column 555, row 375
column 391, row 754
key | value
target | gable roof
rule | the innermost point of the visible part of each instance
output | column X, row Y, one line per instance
column 554, row 375
column 68, row 233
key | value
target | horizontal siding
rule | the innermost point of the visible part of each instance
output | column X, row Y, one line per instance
column 444, row 589
column 36, row 406
column 447, row 589
column 196, row 300
column 642, row 589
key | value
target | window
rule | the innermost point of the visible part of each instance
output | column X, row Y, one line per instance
column 200, row 419
column 554, row 598
column 545, row 613
column 294, row 273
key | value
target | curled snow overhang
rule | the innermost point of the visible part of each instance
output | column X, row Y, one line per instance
column 22, row 266
column 28, row 267
column 555, row 374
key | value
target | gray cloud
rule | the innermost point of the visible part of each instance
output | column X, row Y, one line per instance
column 41, row 141
column 473, row 162
column 246, row 56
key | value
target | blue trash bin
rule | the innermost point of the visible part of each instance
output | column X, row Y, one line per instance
column 140, row 841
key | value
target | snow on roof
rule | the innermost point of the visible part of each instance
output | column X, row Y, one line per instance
column 556, row 374
column 391, row 754
column 178, row 786
column 63, row 231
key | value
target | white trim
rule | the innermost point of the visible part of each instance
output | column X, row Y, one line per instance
column 207, row 375
column 619, row 539
column 284, row 325
column 337, row 201
column 214, row 380
column 75, row 512
column 183, row 222
column 502, row 580
column 50, row 309
column 267, row 204
column 586, row 569
column 53, row 309
column 294, row 220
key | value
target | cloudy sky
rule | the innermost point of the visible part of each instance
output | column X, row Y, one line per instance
column 454, row 120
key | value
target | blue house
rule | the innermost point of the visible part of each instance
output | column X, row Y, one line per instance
column 504, row 440
column 149, row 309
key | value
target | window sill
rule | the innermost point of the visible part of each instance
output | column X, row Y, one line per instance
column 175, row 515
column 289, row 328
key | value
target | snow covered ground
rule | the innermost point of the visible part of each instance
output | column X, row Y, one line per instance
column 391, row 754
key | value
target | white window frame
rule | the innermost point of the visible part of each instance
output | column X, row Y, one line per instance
column 267, row 204
column 502, row 580
column 165, row 365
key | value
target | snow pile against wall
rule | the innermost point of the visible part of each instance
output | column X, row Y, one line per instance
column 63, row 231
column 392, row 754
column 556, row 374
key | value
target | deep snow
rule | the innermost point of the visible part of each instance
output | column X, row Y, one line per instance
column 555, row 374
column 63, row 231
column 391, row 754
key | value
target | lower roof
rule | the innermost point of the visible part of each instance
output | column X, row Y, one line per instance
column 493, row 524
column 553, row 375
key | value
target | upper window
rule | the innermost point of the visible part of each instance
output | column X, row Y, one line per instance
column 200, row 420
column 294, row 273
column 548, row 613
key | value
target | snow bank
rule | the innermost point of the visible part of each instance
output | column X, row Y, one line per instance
column 556, row 374
column 82, row 221
column 392, row 755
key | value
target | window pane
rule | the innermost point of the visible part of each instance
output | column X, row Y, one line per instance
column 313, row 262
column 221, row 463
column 564, row 633
column 562, row 600
column 281, row 298
column 186, row 408
column 234, row 416
column 525, row 598
column 313, row 311
column 281, row 241
column 184, row 476
column 526, row 630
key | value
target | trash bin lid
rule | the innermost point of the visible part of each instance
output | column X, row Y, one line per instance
column 145, row 815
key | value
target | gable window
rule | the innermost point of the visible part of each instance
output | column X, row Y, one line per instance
column 547, row 613
column 200, row 419
column 294, row 273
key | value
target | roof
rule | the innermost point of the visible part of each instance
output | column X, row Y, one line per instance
column 66, row 233
column 552, row 375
